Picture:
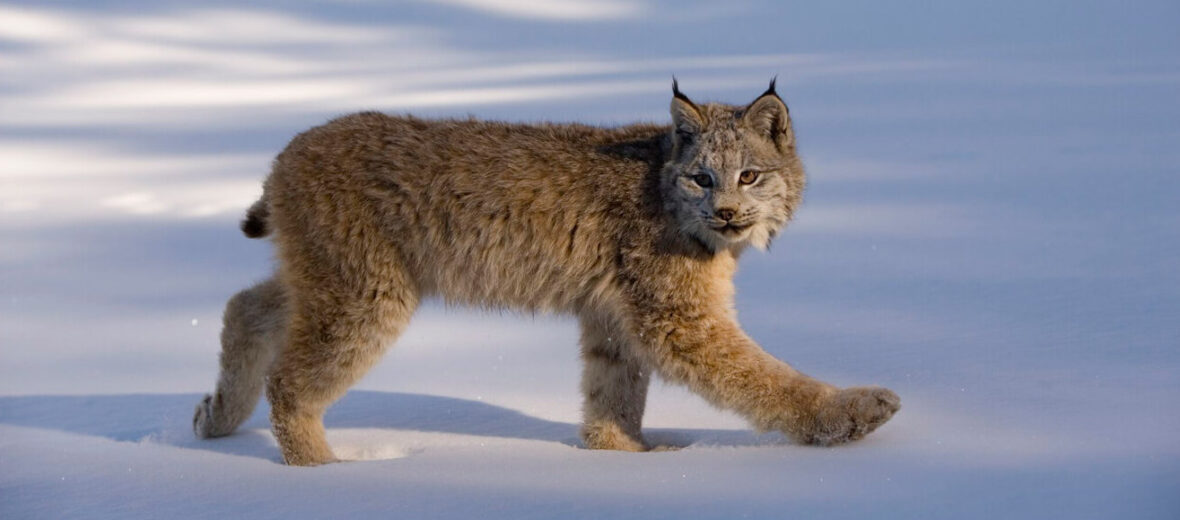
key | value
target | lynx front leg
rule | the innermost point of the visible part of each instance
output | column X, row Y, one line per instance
column 708, row 352
column 614, row 384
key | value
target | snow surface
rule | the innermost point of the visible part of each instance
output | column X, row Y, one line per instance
column 991, row 230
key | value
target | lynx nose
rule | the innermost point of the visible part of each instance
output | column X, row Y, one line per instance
column 725, row 214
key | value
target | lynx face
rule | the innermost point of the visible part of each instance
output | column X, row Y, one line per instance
column 734, row 179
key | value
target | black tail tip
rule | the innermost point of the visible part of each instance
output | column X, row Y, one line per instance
column 254, row 227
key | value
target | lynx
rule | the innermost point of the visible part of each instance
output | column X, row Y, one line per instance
column 634, row 230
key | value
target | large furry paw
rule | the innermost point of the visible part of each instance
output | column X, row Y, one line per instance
column 203, row 418
column 308, row 451
column 207, row 424
column 309, row 459
column 851, row 414
column 609, row 436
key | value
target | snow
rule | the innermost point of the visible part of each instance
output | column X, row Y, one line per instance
column 990, row 230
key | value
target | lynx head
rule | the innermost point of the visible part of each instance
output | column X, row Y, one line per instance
column 733, row 178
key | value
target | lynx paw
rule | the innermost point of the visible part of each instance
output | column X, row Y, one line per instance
column 206, row 423
column 317, row 458
column 203, row 418
column 853, row 413
column 608, row 436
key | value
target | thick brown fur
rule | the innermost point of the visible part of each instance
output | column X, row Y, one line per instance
column 636, row 230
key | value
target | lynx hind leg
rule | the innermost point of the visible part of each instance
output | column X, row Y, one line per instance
column 335, row 336
column 252, row 329
column 614, row 386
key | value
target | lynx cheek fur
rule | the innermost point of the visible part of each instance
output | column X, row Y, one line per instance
column 635, row 230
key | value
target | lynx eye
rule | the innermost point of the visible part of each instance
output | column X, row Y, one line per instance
column 748, row 176
column 703, row 180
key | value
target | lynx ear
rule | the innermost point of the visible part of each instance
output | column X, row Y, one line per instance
column 768, row 115
column 686, row 117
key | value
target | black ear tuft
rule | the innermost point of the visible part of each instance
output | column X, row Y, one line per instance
column 769, row 116
column 686, row 116
column 770, row 91
column 676, row 93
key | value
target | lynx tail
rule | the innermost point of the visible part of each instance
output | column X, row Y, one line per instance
column 256, row 225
